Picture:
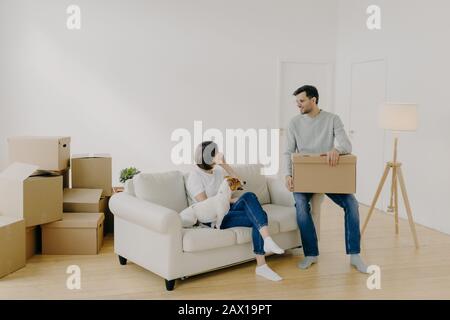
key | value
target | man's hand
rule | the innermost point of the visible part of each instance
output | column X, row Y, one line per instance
column 333, row 157
column 290, row 183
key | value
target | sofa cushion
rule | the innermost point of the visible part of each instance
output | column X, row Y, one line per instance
column 199, row 239
column 244, row 234
column 166, row 189
column 256, row 182
column 285, row 216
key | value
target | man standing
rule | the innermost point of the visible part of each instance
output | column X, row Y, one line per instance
column 313, row 132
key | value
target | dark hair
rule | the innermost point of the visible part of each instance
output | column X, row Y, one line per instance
column 205, row 153
column 311, row 92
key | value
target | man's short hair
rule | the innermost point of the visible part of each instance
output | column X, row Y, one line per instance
column 310, row 91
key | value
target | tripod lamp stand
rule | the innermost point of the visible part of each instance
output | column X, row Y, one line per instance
column 396, row 117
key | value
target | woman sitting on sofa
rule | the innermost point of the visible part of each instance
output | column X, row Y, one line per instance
column 245, row 211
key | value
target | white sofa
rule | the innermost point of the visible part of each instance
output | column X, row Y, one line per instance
column 148, row 231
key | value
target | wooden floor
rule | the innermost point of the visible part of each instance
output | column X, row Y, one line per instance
column 406, row 273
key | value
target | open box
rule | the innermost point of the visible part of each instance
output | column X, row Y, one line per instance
column 37, row 199
column 92, row 172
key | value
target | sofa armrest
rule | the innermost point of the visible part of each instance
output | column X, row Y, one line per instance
column 144, row 213
column 278, row 193
column 281, row 196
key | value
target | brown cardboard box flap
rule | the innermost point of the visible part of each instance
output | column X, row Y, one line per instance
column 81, row 195
column 79, row 220
column 305, row 158
column 91, row 155
column 50, row 173
column 5, row 220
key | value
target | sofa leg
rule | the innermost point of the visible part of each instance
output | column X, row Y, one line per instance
column 170, row 284
column 122, row 260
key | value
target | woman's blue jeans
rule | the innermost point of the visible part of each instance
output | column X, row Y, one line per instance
column 247, row 212
column 308, row 231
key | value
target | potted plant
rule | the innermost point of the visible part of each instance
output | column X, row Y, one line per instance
column 127, row 174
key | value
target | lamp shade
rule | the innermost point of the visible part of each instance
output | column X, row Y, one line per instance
column 398, row 116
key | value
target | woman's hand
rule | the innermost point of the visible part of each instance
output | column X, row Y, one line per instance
column 219, row 158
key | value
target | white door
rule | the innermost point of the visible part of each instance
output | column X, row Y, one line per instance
column 292, row 75
column 368, row 92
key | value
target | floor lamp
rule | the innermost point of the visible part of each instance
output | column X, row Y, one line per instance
column 396, row 117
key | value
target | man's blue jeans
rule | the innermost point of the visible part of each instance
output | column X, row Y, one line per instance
column 247, row 212
column 308, row 231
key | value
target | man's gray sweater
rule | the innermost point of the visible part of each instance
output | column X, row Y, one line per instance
column 315, row 136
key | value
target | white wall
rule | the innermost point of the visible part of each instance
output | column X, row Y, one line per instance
column 140, row 69
column 413, row 39
column 137, row 70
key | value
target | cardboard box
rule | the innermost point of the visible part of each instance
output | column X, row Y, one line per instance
column 92, row 172
column 312, row 173
column 12, row 246
column 83, row 200
column 37, row 200
column 31, row 241
column 76, row 233
column 48, row 153
column 43, row 200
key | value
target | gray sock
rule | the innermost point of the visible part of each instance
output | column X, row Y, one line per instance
column 307, row 262
column 358, row 263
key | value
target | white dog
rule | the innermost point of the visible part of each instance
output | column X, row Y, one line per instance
column 212, row 209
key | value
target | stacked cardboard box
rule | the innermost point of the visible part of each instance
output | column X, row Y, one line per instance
column 35, row 197
column 76, row 233
column 82, row 200
column 50, row 154
column 31, row 187
column 12, row 248
column 85, row 204
column 95, row 172
column 92, row 172
column 81, row 229
column 33, row 200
